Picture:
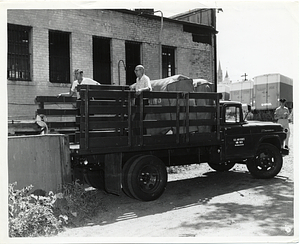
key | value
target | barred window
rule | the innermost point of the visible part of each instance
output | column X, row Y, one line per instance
column 59, row 57
column 18, row 58
column 168, row 61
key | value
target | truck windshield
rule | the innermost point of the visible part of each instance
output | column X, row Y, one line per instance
column 232, row 114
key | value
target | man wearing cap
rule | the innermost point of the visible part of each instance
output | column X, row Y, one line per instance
column 79, row 80
column 282, row 116
column 142, row 81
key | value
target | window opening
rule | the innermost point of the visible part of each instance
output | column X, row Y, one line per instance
column 59, row 57
column 168, row 62
column 133, row 58
column 101, row 60
column 233, row 114
column 18, row 60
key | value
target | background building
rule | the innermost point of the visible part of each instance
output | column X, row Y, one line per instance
column 45, row 46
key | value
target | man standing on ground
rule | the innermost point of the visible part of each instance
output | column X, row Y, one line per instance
column 282, row 116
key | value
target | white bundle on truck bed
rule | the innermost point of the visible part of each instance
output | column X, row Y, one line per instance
column 183, row 84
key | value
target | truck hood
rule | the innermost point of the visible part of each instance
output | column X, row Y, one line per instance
column 263, row 126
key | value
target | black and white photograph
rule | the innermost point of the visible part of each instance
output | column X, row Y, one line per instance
column 150, row 121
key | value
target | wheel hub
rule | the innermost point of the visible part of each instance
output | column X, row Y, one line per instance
column 148, row 179
column 265, row 161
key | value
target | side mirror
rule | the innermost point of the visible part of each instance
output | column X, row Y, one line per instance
column 249, row 108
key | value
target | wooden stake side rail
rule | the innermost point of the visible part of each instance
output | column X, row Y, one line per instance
column 57, row 109
column 109, row 120
column 59, row 113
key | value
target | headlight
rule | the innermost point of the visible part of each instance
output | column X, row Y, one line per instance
column 85, row 162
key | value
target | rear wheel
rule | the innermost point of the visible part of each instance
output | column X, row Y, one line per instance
column 125, row 170
column 147, row 178
column 95, row 178
column 267, row 162
column 221, row 167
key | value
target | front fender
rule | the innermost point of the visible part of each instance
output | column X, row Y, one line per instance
column 271, row 139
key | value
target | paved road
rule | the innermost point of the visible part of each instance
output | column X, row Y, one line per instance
column 201, row 203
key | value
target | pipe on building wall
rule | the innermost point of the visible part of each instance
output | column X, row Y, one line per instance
column 160, row 41
column 121, row 61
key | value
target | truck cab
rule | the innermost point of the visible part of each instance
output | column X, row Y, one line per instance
column 255, row 143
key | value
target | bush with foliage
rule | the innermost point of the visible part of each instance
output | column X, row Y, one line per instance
column 31, row 215
column 78, row 203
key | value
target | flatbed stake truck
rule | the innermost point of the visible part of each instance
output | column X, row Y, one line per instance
column 120, row 151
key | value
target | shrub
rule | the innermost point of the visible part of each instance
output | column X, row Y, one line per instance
column 79, row 203
column 31, row 215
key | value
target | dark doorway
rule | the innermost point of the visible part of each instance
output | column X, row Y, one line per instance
column 59, row 57
column 101, row 60
column 133, row 58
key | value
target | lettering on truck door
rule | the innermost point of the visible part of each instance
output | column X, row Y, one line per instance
column 238, row 140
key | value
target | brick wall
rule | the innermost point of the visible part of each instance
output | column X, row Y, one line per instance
column 192, row 59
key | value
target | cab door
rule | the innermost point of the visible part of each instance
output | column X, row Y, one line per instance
column 236, row 133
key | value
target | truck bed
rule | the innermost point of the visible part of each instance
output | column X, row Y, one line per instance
column 107, row 121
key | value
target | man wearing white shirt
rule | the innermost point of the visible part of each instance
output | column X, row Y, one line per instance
column 142, row 80
column 79, row 80
column 142, row 84
column 282, row 116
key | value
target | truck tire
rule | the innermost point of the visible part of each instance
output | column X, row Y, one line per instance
column 221, row 167
column 95, row 178
column 125, row 170
column 147, row 178
column 267, row 162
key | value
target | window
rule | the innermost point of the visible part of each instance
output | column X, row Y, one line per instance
column 101, row 60
column 18, row 60
column 59, row 57
column 233, row 114
column 133, row 58
column 168, row 62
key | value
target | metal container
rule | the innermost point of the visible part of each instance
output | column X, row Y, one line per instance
column 39, row 160
column 268, row 89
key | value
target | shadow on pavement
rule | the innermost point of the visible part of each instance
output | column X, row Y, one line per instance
column 201, row 191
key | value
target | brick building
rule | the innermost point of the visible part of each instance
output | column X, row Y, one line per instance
column 44, row 46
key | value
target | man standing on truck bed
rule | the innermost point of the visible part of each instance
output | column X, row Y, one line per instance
column 79, row 80
column 282, row 116
column 142, row 81
column 142, row 84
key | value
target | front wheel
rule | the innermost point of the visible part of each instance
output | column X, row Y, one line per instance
column 147, row 178
column 267, row 162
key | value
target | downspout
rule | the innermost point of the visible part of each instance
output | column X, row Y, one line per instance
column 160, row 40
column 119, row 71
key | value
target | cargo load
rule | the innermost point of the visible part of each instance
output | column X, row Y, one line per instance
column 183, row 84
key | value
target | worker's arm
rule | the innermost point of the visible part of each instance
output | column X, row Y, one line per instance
column 71, row 92
column 67, row 94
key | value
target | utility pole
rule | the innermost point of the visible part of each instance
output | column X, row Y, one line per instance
column 244, row 75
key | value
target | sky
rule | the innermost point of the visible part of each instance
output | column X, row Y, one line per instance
column 259, row 39
column 254, row 37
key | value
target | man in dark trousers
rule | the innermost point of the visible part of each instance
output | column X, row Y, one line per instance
column 282, row 116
